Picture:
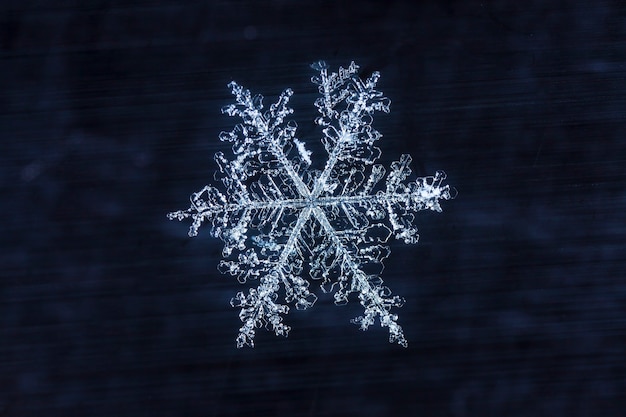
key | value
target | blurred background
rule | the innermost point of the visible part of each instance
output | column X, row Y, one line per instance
column 516, row 295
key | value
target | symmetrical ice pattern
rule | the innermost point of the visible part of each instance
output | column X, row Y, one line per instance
column 279, row 219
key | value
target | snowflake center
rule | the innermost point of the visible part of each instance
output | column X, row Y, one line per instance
column 311, row 202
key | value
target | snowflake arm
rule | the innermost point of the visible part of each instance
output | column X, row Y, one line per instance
column 277, row 218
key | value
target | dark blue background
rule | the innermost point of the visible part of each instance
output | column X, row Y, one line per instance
column 516, row 295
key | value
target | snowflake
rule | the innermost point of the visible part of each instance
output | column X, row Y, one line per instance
column 278, row 218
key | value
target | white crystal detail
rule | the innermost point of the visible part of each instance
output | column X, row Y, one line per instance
column 278, row 219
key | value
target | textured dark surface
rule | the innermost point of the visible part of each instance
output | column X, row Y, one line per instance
column 516, row 295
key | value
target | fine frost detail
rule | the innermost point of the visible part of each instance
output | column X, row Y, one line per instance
column 278, row 218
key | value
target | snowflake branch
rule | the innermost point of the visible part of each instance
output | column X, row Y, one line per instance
column 370, row 296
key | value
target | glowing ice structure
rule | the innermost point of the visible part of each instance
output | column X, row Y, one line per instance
column 275, row 214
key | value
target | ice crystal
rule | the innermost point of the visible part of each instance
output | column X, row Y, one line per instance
column 278, row 218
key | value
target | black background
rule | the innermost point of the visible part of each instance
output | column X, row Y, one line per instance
column 109, row 119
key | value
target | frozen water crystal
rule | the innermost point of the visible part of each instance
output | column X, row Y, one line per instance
column 279, row 219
